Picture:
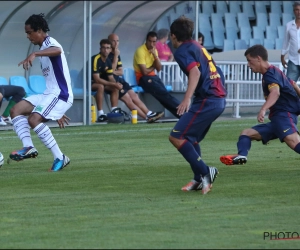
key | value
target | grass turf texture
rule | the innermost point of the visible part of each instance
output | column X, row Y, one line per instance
column 122, row 190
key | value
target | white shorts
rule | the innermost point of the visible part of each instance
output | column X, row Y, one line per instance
column 49, row 106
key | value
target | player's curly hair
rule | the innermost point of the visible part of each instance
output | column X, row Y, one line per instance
column 182, row 28
column 37, row 22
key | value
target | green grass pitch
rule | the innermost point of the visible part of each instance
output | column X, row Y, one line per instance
column 122, row 190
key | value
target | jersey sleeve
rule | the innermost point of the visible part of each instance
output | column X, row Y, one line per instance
column 119, row 64
column 186, row 60
column 95, row 64
column 271, row 81
column 108, row 68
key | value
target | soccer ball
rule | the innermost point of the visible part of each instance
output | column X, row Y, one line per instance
column 1, row 159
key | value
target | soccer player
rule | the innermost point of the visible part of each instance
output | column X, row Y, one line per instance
column 14, row 94
column 52, row 104
column 117, row 66
column 206, row 85
column 282, row 100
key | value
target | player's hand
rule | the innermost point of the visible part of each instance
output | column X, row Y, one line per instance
column 117, row 51
column 119, row 86
column 183, row 106
column 283, row 62
column 152, row 51
column 62, row 121
column 261, row 116
column 28, row 61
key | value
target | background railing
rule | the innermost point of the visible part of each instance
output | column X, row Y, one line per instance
column 243, row 85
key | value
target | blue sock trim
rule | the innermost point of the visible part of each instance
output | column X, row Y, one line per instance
column 297, row 148
column 244, row 145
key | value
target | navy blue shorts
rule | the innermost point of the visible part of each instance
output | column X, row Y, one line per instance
column 122, row 92
column 195, row 124
column 280, row 126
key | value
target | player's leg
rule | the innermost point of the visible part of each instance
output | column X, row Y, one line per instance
column 49, row 108
column 191, row 126
column 287, row 131
column 150, row 115
column 99, row 88
column 260, row 132
column 21, row 126
column 293, row 141
column 14, row 94
column 1, row 98
column 131, row 106
column 114, row 96
column 154, row 86
column 292, row 71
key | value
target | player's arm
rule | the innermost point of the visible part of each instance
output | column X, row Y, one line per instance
column 118, row 71
column 62, row 121
column 296, row 88
column 144, row 70
column 156, row 64
column 50, row 52
column 112, row 80
column 193, row 79
column 270, row 101
column 171, row 58
column 112, row 83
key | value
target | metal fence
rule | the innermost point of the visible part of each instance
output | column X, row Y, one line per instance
column 243, row 86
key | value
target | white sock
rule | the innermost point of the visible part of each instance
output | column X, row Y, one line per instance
column 100, row 112
column 22, row 129
column 149, row 113
column 45, row 135
column 112, row 109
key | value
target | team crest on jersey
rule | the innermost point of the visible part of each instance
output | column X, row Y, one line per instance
column 38, row 108
column 149, row 80
column 46, row 71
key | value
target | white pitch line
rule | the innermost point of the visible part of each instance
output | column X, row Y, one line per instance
column 3, row 137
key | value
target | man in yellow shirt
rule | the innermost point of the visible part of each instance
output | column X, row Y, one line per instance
column 145, row 62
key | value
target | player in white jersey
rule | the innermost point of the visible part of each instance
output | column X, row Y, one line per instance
column 52, row 104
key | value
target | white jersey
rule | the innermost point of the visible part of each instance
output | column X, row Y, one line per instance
column 56, row 71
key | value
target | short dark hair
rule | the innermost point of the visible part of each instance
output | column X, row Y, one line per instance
column 162, row 33
column 182, row 28
column 151, row 34
column 105, row 41
column 201, row 35
column 296, row 3
column 37, row 22
column 257, row 50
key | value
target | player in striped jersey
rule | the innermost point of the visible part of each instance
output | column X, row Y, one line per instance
column 52, row 104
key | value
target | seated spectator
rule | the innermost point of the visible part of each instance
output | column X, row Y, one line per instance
column 103, row 75
column 164, row 52
column 16, row 94
column 200, row 38
column 145, row 62
column 100, row 81
column 115, row 58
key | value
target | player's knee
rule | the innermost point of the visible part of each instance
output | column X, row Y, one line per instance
column 14, row 111
column 248, row 132
column 98, row 88
column 34, row 119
